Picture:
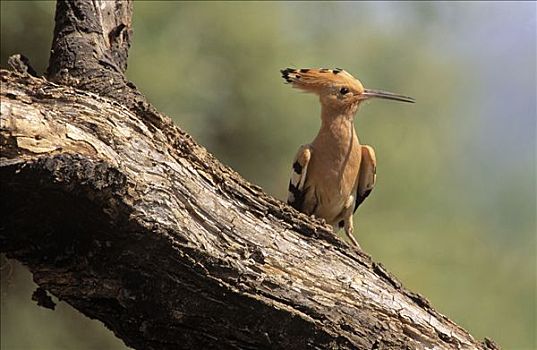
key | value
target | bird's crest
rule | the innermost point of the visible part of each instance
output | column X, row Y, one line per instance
column 336, row 87
column 314, row 79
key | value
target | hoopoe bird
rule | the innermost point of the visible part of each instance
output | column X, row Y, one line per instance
column 334, row 174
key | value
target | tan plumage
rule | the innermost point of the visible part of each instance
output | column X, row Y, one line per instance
column 333, row 174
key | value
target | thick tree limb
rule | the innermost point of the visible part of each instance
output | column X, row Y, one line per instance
column 90, row 50
column 122, row 215
column 171, row 250
column 90, row 37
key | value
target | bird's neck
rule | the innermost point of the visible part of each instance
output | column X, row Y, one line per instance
column 337, row 125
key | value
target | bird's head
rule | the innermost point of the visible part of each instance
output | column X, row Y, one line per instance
column 337, row 89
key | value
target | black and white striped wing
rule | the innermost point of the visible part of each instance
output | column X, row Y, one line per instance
column 296, row 194
column 367, row 175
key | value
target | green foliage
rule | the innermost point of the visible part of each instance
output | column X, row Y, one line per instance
column 453, row 213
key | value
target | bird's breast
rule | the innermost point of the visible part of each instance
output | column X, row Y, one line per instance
column 334, row 175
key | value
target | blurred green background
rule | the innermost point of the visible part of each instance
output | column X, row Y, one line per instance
column 453, row 214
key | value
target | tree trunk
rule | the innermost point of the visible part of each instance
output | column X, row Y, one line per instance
column 122, row 215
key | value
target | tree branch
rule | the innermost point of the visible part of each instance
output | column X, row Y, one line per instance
column 122, row 215
column 90, row 36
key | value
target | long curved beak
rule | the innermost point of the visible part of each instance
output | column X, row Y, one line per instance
column 368, row 93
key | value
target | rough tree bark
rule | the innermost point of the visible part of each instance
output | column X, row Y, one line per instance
column 122, row 215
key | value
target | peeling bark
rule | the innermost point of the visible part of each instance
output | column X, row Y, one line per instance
column 122, row 215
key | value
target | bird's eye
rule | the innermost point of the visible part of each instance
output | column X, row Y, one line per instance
column 344, row 91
